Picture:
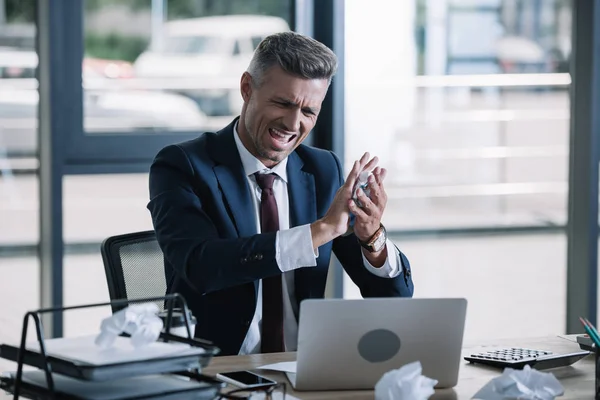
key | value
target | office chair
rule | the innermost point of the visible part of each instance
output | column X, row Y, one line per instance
column 134, row 267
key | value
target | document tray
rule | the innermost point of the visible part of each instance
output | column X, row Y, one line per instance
column 90, row 372
column 163, row 387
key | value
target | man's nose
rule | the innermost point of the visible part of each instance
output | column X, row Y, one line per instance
column 291, row 120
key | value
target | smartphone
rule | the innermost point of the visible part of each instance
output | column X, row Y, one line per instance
column 245, row 379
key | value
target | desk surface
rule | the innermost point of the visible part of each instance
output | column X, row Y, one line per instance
column 578, row 379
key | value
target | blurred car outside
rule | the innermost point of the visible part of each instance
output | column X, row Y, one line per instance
column 480, row 43
column 517, row 55
column 109, row 104
column 18, row 63
column 212, row 52
column 112, row 69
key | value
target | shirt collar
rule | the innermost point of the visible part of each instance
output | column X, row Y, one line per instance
column 252, row 165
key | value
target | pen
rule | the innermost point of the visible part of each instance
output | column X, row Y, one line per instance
column 593, row 328
column 591, row 332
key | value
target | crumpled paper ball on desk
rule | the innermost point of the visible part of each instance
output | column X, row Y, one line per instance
column 405, row 383
column 525, row 384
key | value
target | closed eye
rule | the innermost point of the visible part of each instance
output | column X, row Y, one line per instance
column 309, row 111
column 286, row 104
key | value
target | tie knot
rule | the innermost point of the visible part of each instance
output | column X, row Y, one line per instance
column 265, row 181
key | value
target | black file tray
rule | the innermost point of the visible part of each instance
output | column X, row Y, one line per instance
column 64, row 370
column 163, row 387
column 90, row 372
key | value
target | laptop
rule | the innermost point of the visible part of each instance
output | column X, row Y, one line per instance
column 350, row 344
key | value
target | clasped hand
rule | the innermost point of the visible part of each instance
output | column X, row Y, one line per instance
column 368, row 216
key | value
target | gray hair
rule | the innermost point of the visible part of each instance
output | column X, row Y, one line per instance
column 296, row 54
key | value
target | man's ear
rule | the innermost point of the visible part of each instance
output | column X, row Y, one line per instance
column 246, row 86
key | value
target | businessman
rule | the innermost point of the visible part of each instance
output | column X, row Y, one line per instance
column 248, row 217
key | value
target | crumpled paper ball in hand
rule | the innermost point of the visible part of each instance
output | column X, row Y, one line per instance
column 405, row 383
column 525, row 384
column 140, row 321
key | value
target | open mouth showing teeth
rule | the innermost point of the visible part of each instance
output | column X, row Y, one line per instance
column 280, row 136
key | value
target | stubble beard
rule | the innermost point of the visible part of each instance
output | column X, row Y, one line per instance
column 263, row 152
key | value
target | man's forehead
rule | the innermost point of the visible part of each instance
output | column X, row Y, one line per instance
column 299, row 91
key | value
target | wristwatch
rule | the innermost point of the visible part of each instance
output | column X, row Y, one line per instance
column 375, row 242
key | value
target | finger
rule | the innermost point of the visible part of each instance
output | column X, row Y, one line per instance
column 350, row 183
column 352, row 175
column 360, row 166
column 378, row 200
column 382, row 174
column 367, row 205
column 356, row 210
column 377, row 175
column 363, row 161
column 364, row 158
column 375, row 190
column 370, row 166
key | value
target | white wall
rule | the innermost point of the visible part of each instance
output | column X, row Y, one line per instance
column 380, row 59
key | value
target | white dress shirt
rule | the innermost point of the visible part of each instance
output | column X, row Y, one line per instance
column 293, row 249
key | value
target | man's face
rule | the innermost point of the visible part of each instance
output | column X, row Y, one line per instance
column 279, row 113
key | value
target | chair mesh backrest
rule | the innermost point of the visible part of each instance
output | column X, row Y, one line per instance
column 142, row 264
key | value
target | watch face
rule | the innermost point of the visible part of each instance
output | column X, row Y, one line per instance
column 379, row 243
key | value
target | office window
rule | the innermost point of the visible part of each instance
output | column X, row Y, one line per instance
column 19, row 194
column 170, row 65
column 467, row 105
column 141, row 79
column 96, row 207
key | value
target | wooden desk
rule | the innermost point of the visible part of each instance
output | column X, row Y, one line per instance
column 578, row 379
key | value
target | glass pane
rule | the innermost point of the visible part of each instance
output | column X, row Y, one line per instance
column 19, row 195
column 96, row 207
column 141, row 76
column 469, row 103
column 170, row 65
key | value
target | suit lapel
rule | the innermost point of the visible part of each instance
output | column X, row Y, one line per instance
column 233, row 182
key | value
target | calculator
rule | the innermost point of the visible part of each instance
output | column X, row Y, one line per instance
column 518, row 358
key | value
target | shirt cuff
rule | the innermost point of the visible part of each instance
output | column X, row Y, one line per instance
column 391, row 267
column 294, row 248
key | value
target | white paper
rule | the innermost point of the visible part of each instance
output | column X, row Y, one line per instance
column 525, row 384
column 570, row 338
column 288, row 366
column 83, row 349
column 405, row 383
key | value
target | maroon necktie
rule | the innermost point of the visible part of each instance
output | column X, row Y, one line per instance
column 272, row 301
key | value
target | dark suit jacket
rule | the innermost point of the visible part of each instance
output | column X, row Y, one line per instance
column 205, row 224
